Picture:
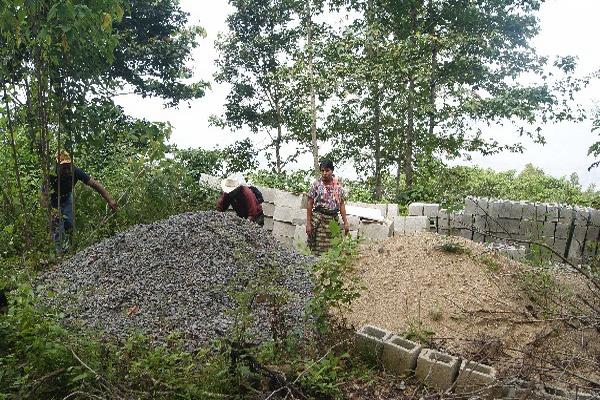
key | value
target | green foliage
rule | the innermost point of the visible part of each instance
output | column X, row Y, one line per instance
column 323, row 379
column 336, row 284
column 454, row 247
column 294, row 182
column 41, row 359
column 543, row 290
column 418, row 331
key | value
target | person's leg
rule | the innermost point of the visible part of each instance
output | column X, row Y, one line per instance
column 58, row 231
column 67, row 220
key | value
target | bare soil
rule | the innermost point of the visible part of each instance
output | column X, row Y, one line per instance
column 456, row 295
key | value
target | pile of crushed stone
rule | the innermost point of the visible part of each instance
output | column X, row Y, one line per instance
column 182, row 274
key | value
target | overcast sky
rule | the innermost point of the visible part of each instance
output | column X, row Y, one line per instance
column 568, row 27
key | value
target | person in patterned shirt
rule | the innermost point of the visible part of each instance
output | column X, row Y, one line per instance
column 326, row 202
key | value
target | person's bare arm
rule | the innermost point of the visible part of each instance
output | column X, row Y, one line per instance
column 344, row 217
column 309, row 208
column 94, row 184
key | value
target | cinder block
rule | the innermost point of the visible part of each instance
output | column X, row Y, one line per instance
column 268, row 194
column 283, row 229
column 299, row 217
column 283, row 214
column 392, row 211
column 471, row 205
column 549, row 229
column 552, row 212
column 437, row 369
column 285, row 199
column 382, row 208
column 529, row 211
column 595, row 217
column 415, row 209
column 531, row 229
column 540, row 212
column 582, row 216
column 505, row 209
column 431, row 210
column 561, row 231
column 353, row 221
column 481, row 206
column 516, row 210
column 494, row 208
column 566, row 214
column 575, row 250
column 560, row 245
column 268, row 223
column 399, row 225
column 300, row 234
column 376, row 231
column 369, row 342
column 579, row 233
column 400, row 355
column 210, row 181
column 268, row 209
column 474, row 376
column 415, row 224
column 591, row 241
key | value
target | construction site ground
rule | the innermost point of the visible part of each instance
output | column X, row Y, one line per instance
column 465, row 299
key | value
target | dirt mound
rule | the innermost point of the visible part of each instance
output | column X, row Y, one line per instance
column 462, row 297
column 188, row 273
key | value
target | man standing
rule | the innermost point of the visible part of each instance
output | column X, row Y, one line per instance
column 61, row 196
column 242, row 199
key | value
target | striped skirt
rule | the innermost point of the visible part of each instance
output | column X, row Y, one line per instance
column 320, row 241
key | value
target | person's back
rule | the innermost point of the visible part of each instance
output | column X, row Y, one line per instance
column 242, row 199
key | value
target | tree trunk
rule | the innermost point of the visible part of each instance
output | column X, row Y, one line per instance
column 433, row 74
column 313, row 100
column 410, row 126
column 375, row 95
column 279, row 140
column 26, row 234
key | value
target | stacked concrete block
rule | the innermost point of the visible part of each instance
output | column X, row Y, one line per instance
column 290, row 215
column 283, row 229
column 431, row 210
column 375, row 230
column 437, row 369
column 415, row 209
column 474, row 376
column 353, row 222
column 369, row 342
column 290, row 200
column 443, row 222
column 400, row 355
column 300, row 237
column 392, row 211
column 471, row 205
column 268, row 223
column 382, row 208
column 416, row 224
column 267, row 193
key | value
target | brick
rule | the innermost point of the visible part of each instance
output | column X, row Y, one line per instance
column 285, row 199
column 474, row 376
column 400, row 355
column 283, row 229
column 392, row 211
column 415, row 209
column 376, row 231
column 268, row 209
column 437, row 369
column 369, row 342
column 431, row 210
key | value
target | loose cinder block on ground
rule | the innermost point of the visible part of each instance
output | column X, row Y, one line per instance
column 400, row 355
column 437, row 369
column 369, row 341
column 474, row 376
column 283, row 229
column 376, row 231
column 285, row 199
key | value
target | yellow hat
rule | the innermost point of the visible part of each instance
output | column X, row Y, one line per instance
column 63, row 157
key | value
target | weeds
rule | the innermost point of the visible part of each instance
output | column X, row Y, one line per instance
column 454, row 248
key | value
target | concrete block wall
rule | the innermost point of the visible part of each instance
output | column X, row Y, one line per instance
column 571, row 231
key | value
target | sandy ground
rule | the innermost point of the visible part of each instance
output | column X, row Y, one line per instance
column 476, row 303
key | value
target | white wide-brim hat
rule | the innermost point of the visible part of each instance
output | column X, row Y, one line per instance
column 231, row 183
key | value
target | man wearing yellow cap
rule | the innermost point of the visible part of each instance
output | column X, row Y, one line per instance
column 61, row 185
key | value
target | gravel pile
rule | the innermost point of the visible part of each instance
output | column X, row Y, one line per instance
column 181, row 274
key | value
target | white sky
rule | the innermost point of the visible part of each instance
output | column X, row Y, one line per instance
column 568, row 27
